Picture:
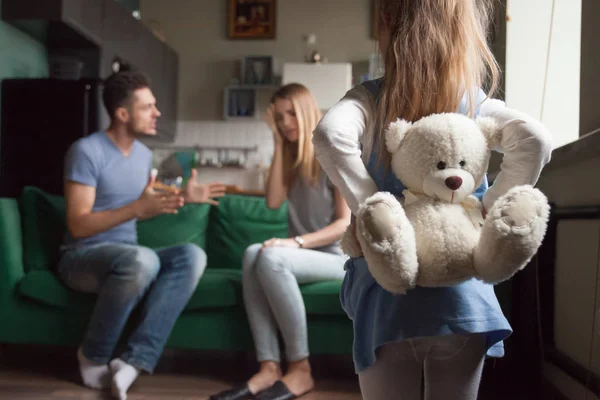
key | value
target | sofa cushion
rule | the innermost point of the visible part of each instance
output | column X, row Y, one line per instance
column 44, row 227
column 43, row 224
column 215, row 290
column 322, row 298
column 187, row 226
column 238, row 222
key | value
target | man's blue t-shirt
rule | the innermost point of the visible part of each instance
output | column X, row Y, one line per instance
column 96, row 161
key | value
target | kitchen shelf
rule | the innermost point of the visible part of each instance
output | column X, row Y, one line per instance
column 240, row 103
column 222, row 154
column 207, row 148
column 240, row 99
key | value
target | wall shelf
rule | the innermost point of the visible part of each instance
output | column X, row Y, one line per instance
column 241, row 99
column 240, row 103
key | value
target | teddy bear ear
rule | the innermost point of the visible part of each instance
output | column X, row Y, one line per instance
column 395, row 133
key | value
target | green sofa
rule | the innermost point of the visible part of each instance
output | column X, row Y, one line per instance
column 36, row 308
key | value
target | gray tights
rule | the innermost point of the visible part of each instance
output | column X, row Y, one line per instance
column 451, row 365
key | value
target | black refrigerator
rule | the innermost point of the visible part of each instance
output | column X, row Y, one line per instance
column 39, row 120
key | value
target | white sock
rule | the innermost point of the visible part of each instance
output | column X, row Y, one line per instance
column 123, row 376
column 93, row 374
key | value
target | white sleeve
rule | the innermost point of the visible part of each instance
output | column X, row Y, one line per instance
column 525, row 143
column 337, row 146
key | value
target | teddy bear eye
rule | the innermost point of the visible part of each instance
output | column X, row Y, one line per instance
column 441, row 165
column 462, row 163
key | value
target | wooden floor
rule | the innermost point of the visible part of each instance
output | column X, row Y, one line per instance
column 163, row 386
column 51, row 373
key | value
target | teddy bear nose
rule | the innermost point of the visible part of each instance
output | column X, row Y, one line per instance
column 454, row 182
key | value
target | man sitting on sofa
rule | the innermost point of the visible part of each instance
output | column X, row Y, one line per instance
column 108, row 186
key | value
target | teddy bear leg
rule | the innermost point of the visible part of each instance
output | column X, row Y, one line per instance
column 388, row 243
column 349, row 242
column 512, row 234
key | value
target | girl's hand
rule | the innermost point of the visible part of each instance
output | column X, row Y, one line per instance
column 270, row 120
column 276, row 242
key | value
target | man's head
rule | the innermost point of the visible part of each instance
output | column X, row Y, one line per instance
column 129, row 102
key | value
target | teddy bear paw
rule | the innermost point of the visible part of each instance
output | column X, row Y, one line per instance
column 388, row 242
column 520, row 210
column 379, row 217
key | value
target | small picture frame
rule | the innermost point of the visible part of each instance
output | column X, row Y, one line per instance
column 257, row 71
column 251, row 19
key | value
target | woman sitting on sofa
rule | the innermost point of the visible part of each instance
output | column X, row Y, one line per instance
column 272, row 271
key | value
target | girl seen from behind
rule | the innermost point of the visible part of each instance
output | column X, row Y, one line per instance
column 436, row 60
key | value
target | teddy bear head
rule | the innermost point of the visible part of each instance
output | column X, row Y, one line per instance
column 444, row 156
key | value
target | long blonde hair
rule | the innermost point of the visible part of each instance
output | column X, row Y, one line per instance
column 437, row 51
column 299, row 157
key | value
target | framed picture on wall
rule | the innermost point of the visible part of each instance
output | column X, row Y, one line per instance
column 251, row 19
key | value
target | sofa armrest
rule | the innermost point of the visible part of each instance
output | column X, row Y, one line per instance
column 11, row 247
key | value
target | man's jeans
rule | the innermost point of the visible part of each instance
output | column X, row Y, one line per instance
column 121, row 275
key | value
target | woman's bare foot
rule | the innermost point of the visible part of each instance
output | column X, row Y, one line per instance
column 269, row 373
column 299, row 378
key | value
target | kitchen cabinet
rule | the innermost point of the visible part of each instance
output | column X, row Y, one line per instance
column 121, row 34
column 86, row 17
column 66, row 23
column 327, row 82
column 98, row 32
column 168, row 101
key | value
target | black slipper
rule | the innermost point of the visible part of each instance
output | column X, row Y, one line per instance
column 276, row 392
column 238, row 393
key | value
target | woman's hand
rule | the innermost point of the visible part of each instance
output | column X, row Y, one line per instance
column 270, row 120
column 276, row 242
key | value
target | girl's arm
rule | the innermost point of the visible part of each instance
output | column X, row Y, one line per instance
column 337, row 147
column 526, row 144
column 332, row 232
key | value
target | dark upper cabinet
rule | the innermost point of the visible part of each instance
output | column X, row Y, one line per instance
column 167, row 95
column 150, row 58
column 86, row 17
column 121, row 34
column 57, row 23
column 171, row 73
column 120, row 30
column 100, row 32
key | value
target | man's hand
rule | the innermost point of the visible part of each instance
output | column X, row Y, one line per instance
column 152, row 203
column 196, row 192
column 276, row 242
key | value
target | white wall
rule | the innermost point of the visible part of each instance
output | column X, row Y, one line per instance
column 196, row 29
column 528, row 34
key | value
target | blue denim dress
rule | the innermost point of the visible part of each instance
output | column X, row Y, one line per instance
column 380, row 317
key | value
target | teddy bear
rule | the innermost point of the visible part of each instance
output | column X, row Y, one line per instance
column 436, row 233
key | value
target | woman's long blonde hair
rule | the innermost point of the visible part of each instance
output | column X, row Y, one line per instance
column 299, row 157
column 437, row 51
